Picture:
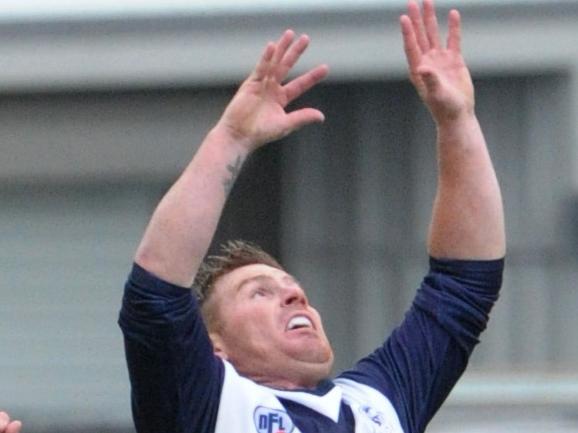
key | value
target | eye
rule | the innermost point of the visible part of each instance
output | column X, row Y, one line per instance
column 259, row 292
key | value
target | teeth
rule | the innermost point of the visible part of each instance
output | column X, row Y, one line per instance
column 299, row 322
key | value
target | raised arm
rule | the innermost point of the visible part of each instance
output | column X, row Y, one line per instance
column 183, row 225
column 467, row 220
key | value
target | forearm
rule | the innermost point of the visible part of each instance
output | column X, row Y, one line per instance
column 468, row 220
column 182, row 226
column 185, row 221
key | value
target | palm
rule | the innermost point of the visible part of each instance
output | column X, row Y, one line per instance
column 439, row 73
column 455, row 90
column 258, row 113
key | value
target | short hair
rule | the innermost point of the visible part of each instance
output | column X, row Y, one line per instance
column 232, row 255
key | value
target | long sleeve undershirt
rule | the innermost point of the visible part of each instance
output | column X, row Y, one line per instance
column 176, row 379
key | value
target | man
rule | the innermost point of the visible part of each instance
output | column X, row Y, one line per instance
column 8, row 426
column 259, row 361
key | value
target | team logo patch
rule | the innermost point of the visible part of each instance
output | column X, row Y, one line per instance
column 374, row 415
column 272, row 420
column 375, row 420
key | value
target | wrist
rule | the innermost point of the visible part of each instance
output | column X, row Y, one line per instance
column 459, row 134
column 227, row 138
column 459, row 119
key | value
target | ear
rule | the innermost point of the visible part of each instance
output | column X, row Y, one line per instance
column 218, row 345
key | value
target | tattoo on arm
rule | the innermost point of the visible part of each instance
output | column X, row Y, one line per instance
column 234, row 170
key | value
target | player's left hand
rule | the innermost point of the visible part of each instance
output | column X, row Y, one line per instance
column 438, row 72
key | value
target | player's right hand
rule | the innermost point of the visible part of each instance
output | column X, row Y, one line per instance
column 7, row 426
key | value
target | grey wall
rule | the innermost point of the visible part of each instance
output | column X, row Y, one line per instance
column 359, row 201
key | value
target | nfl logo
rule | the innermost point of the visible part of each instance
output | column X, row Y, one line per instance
column 269, row 420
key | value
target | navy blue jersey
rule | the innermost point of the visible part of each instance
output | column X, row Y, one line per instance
column 180, row 386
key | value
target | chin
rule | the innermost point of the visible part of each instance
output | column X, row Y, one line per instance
column 310, row 375
column 289, row 373
column 318, row 363
column 321, row 354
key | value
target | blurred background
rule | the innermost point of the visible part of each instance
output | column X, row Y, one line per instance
column 102, row 104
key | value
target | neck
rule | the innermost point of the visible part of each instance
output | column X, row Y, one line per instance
column 284, row 383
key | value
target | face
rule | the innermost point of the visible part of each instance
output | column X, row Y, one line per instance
column 267, row 329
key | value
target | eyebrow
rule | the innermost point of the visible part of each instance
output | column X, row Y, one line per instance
column 257, row 278
column 265, row 278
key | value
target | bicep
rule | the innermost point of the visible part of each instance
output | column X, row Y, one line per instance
column 175, row 377
column 415, row 369
column 175, row 383
column 421, row 361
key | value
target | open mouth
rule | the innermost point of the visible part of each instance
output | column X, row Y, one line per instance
column 299, row 322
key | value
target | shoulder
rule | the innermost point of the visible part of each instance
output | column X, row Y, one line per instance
column 370, row 406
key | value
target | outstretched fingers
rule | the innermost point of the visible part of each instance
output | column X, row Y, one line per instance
column 280, row 57
column 454, row 31
column 295, row 88
column 411, row 46
column 415, row 17
column 283, row 45
column 292, row 56
column 264, row 64
column 431, row 24
column 303, row 83
column 302, row 117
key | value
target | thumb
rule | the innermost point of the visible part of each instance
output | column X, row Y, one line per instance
column 304, row 116
column 430, row 80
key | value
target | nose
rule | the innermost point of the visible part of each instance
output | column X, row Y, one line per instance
column 294, row 296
